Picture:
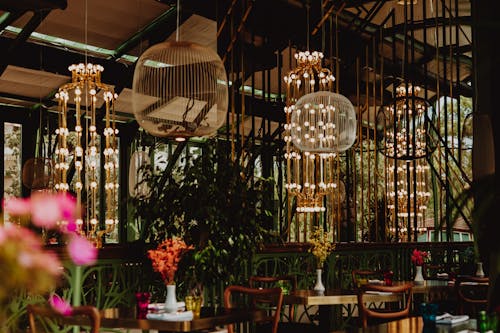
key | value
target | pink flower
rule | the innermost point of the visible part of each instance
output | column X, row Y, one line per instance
column 60, row 305
column 81, row 251
column 67, row 205
column 17, row 206
column 71, row 226
column 45, row 210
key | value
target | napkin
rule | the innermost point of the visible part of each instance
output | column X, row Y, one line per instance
column 375, row 281
column 378, row 292
column 449, row 319
column 159, row 307
column 175, row 316
column 442, row 275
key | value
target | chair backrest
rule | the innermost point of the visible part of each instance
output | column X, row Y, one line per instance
column 269, row 299
column 48, row 313
column 360, row 275
column 472, row 293
column 405, row 290
column 282, row 281
column 266, row 281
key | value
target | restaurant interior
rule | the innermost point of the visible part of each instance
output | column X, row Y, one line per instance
column 249, row 166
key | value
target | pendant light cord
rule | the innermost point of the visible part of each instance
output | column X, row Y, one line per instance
column 86, row 28
column 178, row 20
column 308, row 8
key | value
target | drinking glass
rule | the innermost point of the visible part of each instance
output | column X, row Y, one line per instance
column 193, row 303
column 142, row 301
column 429, row 312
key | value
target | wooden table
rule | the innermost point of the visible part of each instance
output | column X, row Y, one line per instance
column 413, row 325
column 349, row 297
column 206, row 321
column 333, row 297
column 340, row 297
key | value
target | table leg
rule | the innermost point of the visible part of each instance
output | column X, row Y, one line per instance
column 325, row 316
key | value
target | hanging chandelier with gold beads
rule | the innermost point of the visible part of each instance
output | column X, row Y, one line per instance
column 303, row 181
column 319, row 125
column 405, row 143
column 89, row 96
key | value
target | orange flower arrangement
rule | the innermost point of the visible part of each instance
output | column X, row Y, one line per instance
column 166, row 258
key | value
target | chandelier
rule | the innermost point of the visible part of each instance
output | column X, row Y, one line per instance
column 405, row 126
column 312, row 139
column 87, row 93
column 405, row 143
column 402, row 187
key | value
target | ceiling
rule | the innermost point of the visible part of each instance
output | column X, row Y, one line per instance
column 42, row 38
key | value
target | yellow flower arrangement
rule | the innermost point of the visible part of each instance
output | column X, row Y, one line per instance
column 320, row 245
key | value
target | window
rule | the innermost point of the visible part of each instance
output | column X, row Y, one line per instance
column 12, row 161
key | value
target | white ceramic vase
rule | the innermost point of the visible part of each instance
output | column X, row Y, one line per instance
column 419, row 278
column 171, row 300
column 319, row 287
column 479, row 269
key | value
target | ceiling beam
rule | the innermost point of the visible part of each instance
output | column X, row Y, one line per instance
column 346, row 18
column 11, row 50
column 8, row 18
column 145, row 33
column 418, row 76
column 356, row 3
column 445, row 51
column 54, row 60
column 428, row 23
column 34, row 5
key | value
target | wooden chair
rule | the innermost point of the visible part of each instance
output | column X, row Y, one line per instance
column 273, row 282
column 360, row 274
column 290, row 326
column 47, row 312
column 270, row 299
column 472, row 293
column 386, row 314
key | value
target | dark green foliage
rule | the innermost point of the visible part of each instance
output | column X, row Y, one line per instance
column 485, row 193
column 210, row 205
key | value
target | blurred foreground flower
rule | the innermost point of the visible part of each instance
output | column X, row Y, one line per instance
column 60, row 305
column 81, row 251
column 25, row 264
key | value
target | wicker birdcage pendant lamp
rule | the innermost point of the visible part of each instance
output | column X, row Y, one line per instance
column 180, row 90
column 323, row 122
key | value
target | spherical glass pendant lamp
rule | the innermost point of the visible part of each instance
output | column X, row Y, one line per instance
column 323, row 122
column 180, row 90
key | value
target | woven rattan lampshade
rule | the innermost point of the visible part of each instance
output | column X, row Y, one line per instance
column 180, row 90
column 323, row 122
